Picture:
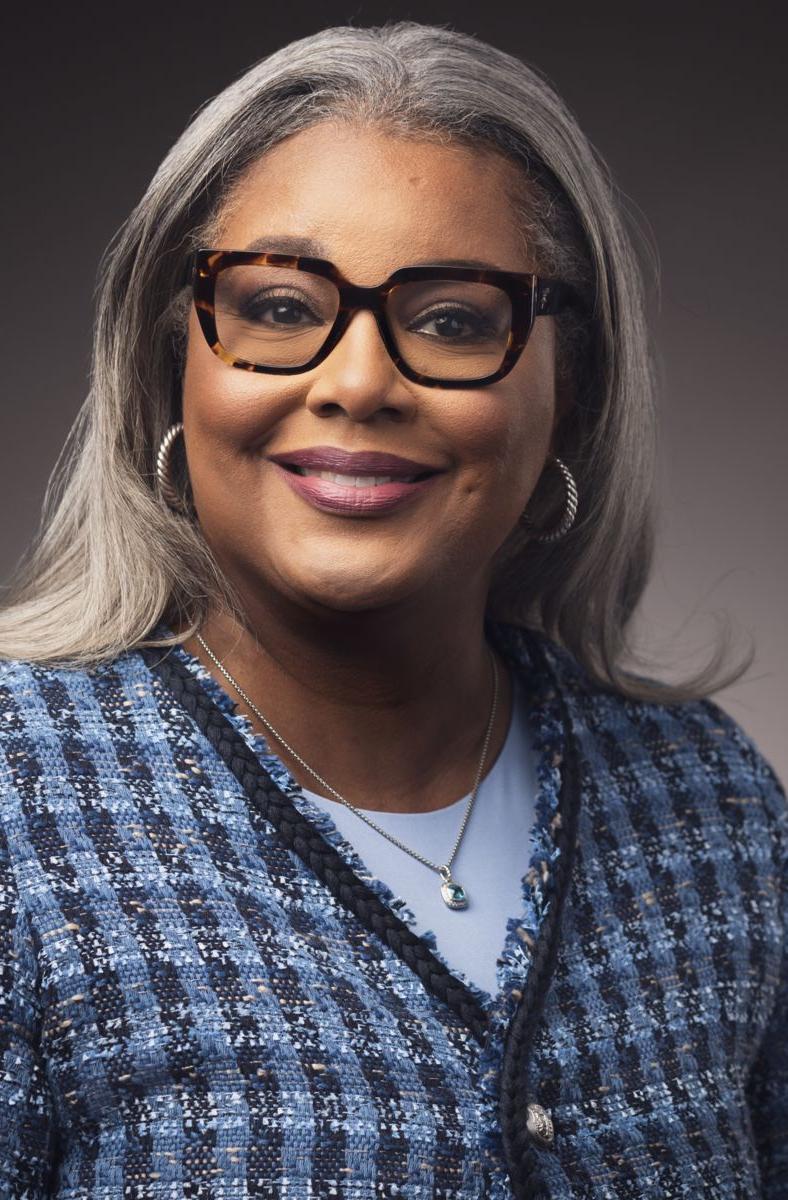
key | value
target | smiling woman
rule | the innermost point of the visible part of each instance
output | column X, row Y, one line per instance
column 360, row 499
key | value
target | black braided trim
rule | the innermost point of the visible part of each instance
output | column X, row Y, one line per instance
column 300, row 835
column 521, row 1155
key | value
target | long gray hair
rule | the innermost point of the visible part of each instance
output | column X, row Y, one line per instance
column 110, row 559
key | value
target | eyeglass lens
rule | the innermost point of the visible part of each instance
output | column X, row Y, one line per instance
column 277, row 317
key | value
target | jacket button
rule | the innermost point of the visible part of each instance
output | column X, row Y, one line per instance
column 539, row 1124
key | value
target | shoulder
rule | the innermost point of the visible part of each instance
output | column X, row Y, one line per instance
column 24, row 682
column 694, row 748
column 40, row 695
column 56, row 721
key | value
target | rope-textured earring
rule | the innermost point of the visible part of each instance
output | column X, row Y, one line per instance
column 167, row 489
column 570, row 506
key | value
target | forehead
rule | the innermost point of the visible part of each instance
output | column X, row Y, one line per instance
column 377, row 201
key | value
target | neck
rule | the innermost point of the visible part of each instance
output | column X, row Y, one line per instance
column 391, row 709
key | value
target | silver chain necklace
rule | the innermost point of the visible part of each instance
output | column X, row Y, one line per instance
column 453, row 893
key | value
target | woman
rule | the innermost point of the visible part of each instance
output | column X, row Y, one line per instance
column 341, row 854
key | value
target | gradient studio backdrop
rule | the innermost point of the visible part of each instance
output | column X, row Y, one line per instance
column 689, row 121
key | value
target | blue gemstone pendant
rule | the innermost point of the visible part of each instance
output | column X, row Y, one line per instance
column 454, row 894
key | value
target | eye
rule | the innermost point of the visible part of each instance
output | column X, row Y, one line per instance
column 281, row 307
column 452, row 322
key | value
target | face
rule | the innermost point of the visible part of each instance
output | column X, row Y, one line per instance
column 375, row 202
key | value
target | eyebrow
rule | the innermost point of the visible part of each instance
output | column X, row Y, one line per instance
column 285, row 244
column 289, row 244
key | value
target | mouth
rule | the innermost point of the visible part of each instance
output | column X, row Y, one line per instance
column 363, row 495
column 355, row 481
column 335, row 464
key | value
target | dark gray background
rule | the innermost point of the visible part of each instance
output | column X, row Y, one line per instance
column 686, row 105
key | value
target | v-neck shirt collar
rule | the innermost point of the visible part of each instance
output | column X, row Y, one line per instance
column 490, row 862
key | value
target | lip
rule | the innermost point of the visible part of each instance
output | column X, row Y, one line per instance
column 360, row 462
column 329, row 496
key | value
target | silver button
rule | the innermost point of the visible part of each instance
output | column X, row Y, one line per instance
column 539, row 1124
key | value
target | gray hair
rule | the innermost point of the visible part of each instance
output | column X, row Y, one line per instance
column 110, row 559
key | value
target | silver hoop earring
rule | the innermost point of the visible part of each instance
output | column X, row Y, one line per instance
column 168, row 491
column 570, row 506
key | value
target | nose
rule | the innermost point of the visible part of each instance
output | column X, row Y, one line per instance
column 359, row 377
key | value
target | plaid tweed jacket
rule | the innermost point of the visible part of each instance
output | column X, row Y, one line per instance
column 205, row 994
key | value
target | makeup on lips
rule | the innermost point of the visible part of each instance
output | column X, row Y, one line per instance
column 359, row 483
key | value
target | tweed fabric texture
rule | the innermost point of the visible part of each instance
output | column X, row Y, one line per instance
column 187, row 1010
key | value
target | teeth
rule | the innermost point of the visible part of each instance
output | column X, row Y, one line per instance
column 358, row 481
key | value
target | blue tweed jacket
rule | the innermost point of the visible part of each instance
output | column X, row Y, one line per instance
column 204, row 993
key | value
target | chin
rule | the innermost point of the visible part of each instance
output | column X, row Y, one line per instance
column 346, row 598
column 345, row 590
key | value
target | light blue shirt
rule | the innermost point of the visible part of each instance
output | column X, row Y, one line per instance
column 490, row 864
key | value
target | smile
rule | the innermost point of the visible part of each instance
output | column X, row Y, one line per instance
column 353, row 495
column 358, row 481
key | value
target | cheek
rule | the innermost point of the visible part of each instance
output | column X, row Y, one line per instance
column 227, row 412
column 508, row 428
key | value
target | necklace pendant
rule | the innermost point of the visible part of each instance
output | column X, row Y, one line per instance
column 453, row 893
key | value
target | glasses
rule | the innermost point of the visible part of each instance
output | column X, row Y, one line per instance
column 442, row 326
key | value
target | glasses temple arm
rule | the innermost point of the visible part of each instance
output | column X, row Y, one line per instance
column 552, row 295
column 188, row 269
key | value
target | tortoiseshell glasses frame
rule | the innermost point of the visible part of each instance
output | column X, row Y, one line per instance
column 530, row 296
